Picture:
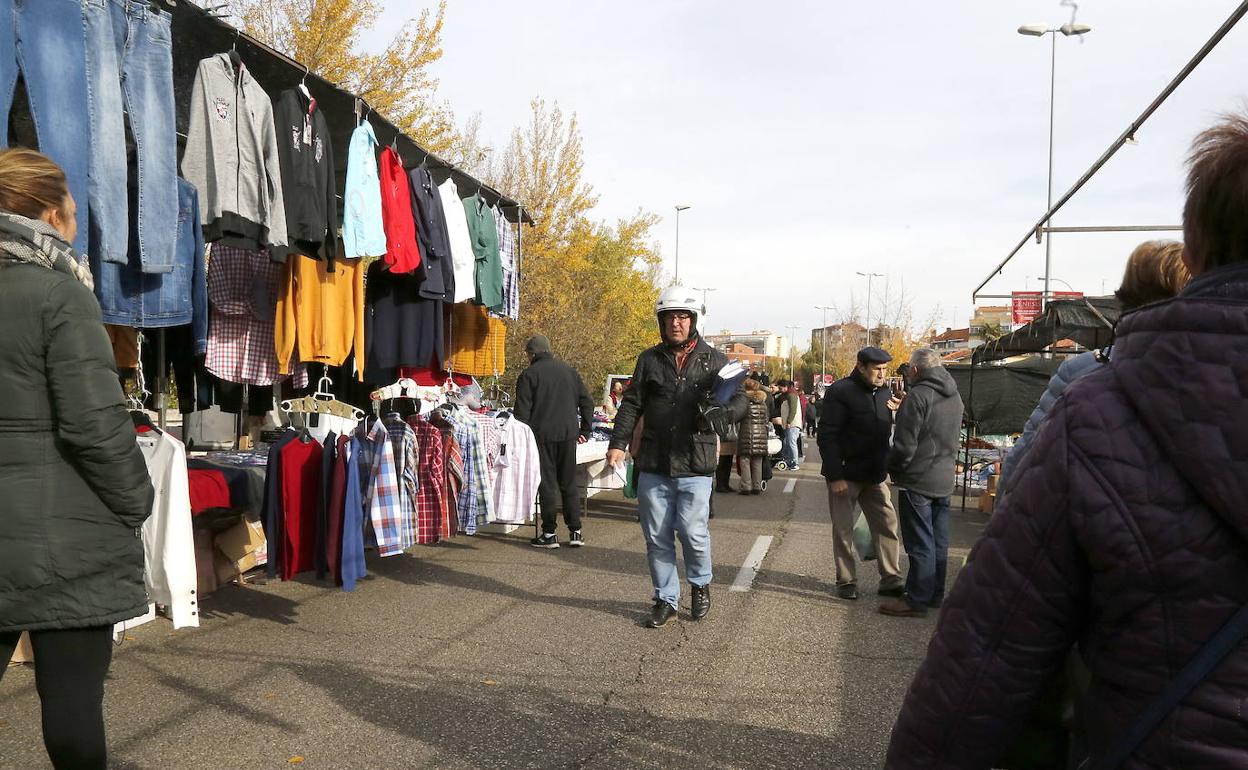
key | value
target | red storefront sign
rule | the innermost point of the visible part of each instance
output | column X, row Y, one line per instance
column 1026, row 305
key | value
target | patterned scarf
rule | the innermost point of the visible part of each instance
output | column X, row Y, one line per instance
column 33, row 241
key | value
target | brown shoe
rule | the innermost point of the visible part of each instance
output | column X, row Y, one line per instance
column 900, row 608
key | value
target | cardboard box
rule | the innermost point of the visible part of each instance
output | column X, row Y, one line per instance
column 992, row 483
column 23, row 653
column 986, row 502
column 243, row 545
column 205, row 569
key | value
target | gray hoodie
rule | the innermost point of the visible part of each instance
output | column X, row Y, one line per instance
column 925, row 443
column 231, row 157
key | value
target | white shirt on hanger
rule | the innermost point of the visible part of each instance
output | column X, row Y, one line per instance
column 462, row 255
column 517, row 473
column 168, row 540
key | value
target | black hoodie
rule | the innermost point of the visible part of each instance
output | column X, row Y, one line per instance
column 309, row 187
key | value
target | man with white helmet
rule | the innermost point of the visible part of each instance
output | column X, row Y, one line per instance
column 671, row 386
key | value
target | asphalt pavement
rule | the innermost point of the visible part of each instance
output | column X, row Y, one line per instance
column 483, row 652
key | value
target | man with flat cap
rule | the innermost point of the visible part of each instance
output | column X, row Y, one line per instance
column 552, row 400
column 854, row 432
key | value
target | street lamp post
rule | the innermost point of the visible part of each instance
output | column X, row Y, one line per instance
column 1040, row 30
column 823, row 343
column 1059, row 280
column 792, row 329
column 679, row 208
column 869, row 276
column 704, row 292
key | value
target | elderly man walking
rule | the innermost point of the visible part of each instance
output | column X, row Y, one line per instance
column 678, row 454
column 921, row 464
column 854, row 432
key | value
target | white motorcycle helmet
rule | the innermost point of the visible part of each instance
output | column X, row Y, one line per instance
column 679, row 298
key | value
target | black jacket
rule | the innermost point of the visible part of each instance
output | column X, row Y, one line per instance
column 854, row 430
column 73, row 483
column 309, row 187
column 436, row 269
column 552, row 400
column 754, row 431
column 674, row 440
column 925, row 445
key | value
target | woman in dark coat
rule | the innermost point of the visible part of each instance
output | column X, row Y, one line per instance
column 752, row 435
column 74, row 488
column 1122, row 534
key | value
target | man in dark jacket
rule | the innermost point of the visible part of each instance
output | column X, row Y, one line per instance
column 1123, row 533
column 854, row 431
column 925, row 449
column 552, row 400
column 679, row 451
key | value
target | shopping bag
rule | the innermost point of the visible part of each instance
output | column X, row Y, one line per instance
column 630, row 480
column 864, row 544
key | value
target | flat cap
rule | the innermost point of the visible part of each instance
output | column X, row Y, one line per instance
column 874, row 356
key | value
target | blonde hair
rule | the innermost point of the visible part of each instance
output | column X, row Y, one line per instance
column 30, row 183
column 1155, row 271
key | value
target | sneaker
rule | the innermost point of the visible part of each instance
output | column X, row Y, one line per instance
column 847, row 591
column 545, row 541
column 576, row 539
column 660, row 614
column 701, row 601
column 900, row 608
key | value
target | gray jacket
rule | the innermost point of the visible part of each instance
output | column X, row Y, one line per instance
column 925, row 443
column 231, row 158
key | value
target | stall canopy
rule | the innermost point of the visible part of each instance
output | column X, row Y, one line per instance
column 197, row 34
column 1088, row 321
column 1001, row 398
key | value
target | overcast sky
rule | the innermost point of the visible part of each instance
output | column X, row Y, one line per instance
column 815, row 139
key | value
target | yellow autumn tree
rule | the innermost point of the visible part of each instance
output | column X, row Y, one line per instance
column 397, row 82
column 588, row 286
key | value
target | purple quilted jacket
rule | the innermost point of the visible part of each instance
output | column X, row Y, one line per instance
column 1125, row 531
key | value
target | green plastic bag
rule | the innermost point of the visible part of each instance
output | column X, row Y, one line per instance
column 630, row 480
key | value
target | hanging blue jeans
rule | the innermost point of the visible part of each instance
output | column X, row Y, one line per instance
column 672, row 508
column 130, row 62
column 43, row 40
column 925, row 534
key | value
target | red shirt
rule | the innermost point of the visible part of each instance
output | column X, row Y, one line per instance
column 402, row 253
column 301, row 491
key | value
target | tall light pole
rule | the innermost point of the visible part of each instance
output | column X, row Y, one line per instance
column 792, row 328
column 823, row 342
column 1040, row 30
column 704, row 292
column 679, row 208
column 869, row 276
column 1064, row 283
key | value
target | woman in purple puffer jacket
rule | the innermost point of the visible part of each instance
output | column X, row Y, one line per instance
column 1123, row 533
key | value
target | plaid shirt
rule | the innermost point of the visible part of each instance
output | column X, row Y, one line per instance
column 511, row 269
column 517, row 473
column 430, row 506
column 242, row 313
column 406, row 453
column 475, row 499
column 490, row 435
column 384, row 497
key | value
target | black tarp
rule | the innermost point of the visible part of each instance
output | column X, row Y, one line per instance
column 1088, row 321
column 1003, row 395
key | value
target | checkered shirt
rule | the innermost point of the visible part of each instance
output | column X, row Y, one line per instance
column 406, row 454
column 490, row 435
column 454, row 466
column 476, row 502
column 384, row 498
column 507, row 251
column 432, row 480
column 242, row 313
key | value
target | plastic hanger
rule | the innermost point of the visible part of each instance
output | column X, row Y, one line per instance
column 303, row 84
column 235, row 59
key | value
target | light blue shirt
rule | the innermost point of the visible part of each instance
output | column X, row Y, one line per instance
column 362, row 233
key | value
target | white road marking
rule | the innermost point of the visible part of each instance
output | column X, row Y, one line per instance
column 753, row 562
column 789, row 486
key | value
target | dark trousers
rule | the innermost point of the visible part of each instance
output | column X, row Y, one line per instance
column 70, row 667
column 558, row 461
column 925, row 535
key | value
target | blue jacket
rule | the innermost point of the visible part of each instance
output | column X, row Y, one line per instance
column 362, row 233
column 1070, row 370
column 129, row 297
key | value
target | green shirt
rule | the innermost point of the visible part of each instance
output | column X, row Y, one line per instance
column 484, row 233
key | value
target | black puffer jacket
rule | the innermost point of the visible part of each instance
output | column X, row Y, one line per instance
column 854, row 430
column 755, row 428
column 74, row 488
column 674, row 440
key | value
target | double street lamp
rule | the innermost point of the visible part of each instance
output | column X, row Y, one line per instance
column 869, row 276
column 792, row 328
column 679, row 208
column 1040, row 30
column 823, row 342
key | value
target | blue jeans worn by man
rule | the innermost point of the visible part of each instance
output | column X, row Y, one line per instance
column 925, row 535
column 43, row 40
column 130, row 58
column 792, row 435
column 672, row 507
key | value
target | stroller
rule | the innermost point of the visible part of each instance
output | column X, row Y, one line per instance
column 775, row 459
